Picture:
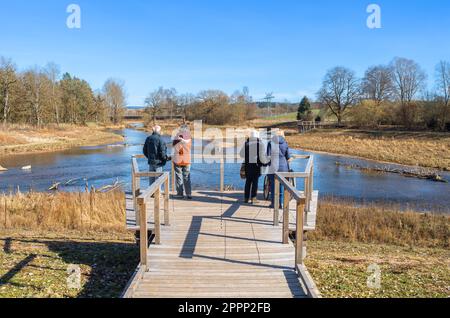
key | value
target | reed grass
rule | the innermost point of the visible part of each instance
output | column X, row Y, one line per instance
column 103, row 212
column 424, row 149
column 382, row 223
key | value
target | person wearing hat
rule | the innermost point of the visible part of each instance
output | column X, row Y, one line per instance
column 254, row 157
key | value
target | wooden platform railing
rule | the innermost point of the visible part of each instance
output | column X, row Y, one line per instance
column 141, row 201
column 301, row 198
column 303, row 205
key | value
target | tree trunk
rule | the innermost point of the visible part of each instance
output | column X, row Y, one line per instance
column 5, row 109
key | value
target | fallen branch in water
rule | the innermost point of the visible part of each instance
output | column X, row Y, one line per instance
column 55, row 186
column 410, row 173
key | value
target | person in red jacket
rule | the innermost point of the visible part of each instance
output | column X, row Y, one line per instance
column 182, row 145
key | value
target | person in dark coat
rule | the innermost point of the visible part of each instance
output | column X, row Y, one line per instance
column 254, row 154
column 155, row 150
column 280, row 155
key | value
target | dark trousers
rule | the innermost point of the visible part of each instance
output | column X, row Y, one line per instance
column 251, row 182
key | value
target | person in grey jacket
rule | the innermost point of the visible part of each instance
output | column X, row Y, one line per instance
column 280, row 154
column 155, row 150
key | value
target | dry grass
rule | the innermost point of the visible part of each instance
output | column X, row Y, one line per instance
column 381, row 224
column 15, row 139
column 64, row 211
column 426, row 149
column 341, row 270
column 34, row 264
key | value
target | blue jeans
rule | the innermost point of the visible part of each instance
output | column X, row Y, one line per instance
column 272, row 191
column 154, row 169
column 183, row 180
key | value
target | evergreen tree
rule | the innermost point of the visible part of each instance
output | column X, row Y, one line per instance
column 304, row 108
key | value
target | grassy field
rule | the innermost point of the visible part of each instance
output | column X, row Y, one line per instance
column 35, row 264
column 38, row 245
column 16, row 139
column 424, row 149
column 340, row 270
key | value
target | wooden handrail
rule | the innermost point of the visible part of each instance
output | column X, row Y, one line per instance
column 141, row 201
column 303, row 203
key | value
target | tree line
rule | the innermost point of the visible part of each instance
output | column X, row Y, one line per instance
column 393, row 94
column 212, row 106
column 41, row 95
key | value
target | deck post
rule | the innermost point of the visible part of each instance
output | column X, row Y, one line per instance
column 157, row 216
column 286, row 203
column 307, row 193
column 166, row 202
column 133, row 190
column 143, row 226
column 299, row 234
column 222, row 175
column 173, row 176
column 276, row 204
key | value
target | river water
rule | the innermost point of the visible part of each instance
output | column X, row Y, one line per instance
column 103, row 165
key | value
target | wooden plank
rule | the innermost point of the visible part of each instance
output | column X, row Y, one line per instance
column 204, row 254
column 134, row 281
column 308, row 281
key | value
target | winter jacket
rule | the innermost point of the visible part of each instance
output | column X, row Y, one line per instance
column 284, row 155
column 156, row 151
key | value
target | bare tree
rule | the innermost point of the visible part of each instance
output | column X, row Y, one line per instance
column 443, row 91
column 114, row 91
column 7, row 80
column 36, row 84
column 162, row 100
column 53, row 72
column 184, row 102
column 154, row 103
column 408, row 79
column 340, row 89
column 377, row 84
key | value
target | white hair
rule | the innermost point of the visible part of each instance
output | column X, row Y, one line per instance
column 157, row 129
column 254, row 134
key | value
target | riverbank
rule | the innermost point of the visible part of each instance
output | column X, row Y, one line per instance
column 411, row 249
column 422, row 149
column 21, row 139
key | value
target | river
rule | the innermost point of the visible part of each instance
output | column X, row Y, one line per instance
column 103, row 165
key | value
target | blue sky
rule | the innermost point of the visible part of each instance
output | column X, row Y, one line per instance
column 280, row 46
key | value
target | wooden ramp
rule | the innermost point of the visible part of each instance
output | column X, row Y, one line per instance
column 217, row 247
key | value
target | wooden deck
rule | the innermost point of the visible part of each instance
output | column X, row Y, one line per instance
column 217, row 247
